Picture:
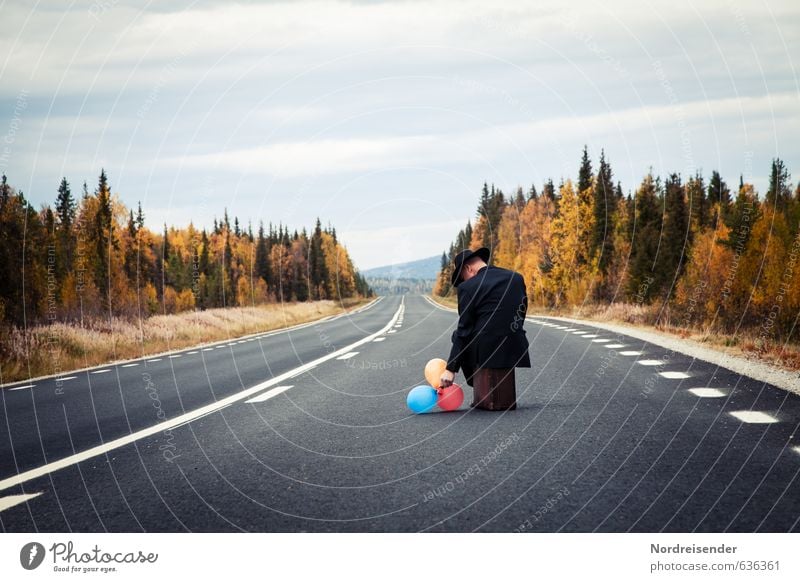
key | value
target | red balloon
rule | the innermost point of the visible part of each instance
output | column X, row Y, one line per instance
column 450, row 398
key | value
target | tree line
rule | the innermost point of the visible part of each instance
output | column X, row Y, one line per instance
column 92, row 257
column 694, row 251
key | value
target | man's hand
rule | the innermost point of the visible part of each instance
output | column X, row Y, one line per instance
column 446, row 379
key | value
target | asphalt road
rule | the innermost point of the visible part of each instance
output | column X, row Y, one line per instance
column 611, row 434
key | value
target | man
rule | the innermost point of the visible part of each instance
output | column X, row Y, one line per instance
column 492, row 303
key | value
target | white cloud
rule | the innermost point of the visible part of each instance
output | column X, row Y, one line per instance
column 345, row 155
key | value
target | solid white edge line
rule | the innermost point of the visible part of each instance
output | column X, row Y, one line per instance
column 442, row 307
column 182, row 419
column 269, row 394
column 11, row 500
column 129, row 363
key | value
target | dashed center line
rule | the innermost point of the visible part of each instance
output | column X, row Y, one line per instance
column 674, row 375
column 614, row 346
column 601, row 341
column 754, row 416
column 631, row 353
column 129, row 365
column 175, row 356
column 154, row 360
column 191, row 353
column 101, row 371
column 651, row 362
column 707, row 392
column 208, row 349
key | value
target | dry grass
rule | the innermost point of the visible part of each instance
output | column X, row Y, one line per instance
column 60, row 347
column 746, row 343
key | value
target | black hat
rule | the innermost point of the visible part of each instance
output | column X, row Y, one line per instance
column 462, row 258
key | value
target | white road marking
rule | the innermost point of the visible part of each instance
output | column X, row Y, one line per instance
column 651, row 362
column 590, row 335
column 183, row 418
column 570, row 329
column 631, row 353
column 614, row 346
column 175, row 356
column 347, row 356
column 65, row 378
column 796, row 449
column 601, row 341
column 326, row 319
column 220, row 347
column 22, row 387
column 754, row 417
column 707, row 392
column 12, row 500
column 208, row 349
column 392, row 331
column 269, row 394
column 101, row 371
column 379, row 339
column 191, row 353
column 154, row 360
column 580, row 332
column 674, row 375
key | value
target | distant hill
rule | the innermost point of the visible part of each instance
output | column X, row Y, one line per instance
column 411, row 277
column 426, row 269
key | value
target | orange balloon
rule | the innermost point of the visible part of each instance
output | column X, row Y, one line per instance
column 434, row 370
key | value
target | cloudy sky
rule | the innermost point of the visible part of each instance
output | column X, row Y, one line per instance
column 385, row 118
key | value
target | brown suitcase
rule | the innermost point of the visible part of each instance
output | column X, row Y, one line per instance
column 494, row 389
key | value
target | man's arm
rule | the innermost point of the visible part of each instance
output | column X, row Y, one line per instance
column 462, row 334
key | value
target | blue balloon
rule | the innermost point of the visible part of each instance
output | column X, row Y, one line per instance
column 421, row 399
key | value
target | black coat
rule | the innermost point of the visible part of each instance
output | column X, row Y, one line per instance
column 491, row 312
